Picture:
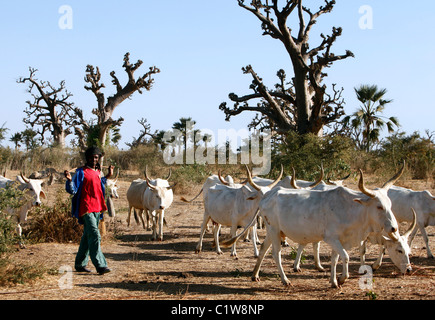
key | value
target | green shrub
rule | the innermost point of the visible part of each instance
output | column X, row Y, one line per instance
column 307, row 152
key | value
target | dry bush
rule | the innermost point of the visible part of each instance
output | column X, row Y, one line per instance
column 55, row 223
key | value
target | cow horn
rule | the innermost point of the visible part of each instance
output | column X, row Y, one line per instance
column 413, row 224
column 293, row 180
column 146, row 173
column 273, row 184
column 252, row 183
column 222, row 179
column 170, row 173
column 148, row 180
column 362, row 187
column 322, row 173
column 26, row 180
column 396, row 177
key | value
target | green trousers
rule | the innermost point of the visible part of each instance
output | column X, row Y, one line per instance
column 90, row 243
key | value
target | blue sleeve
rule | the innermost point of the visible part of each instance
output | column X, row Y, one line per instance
column 72, row 186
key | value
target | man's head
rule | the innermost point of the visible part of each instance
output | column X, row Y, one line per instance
column 93, row 156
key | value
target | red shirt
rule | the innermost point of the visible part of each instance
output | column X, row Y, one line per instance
column 92, row 198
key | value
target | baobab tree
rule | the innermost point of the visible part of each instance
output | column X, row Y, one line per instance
column 302, row 104
column 50, row 111
column 105, row 108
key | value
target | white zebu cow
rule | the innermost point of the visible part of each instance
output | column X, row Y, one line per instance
column 397, row 250
column 424, row 205
column 210, row 182
column 33, row 193
column 153, row 197
column 341, row 217
column 232, row 207
column 112, row 187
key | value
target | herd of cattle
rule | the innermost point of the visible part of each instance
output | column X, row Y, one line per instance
column 305, row 212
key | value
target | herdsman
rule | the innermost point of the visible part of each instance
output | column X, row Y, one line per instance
column 87, row 187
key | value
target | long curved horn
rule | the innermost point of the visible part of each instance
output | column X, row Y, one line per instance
column 170, row 173
column 222, row 179
column 252, row 183
column 26, row 180
column 148, row 180
column 293, row 180
column 146, row 173
column 273, row 184
column 362, row 187
column 396, row 177
column 413, row 224
column 322, row 173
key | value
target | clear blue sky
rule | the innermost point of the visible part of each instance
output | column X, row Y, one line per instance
column 200, row 47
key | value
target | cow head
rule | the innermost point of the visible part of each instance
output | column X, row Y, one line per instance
column 259, row 191
column 399, row 250
column 33, row 188
column 113, row 187
column 161, row 192
column 379, row 205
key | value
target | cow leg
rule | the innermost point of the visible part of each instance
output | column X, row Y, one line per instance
column 233, row 234
column 362, row 252
column 154, row 231
column 129, row 215
column 161, row 215
column 296, row 264
column 334, row 260
column 141, row 214
column 378, row 261
column 263, row 250
column 426, row 241
column 254, row 239
column 216, row 231
column 19, row 232
column 276, row 254
column 316, row 253
column 338, row 249
column 201, row 235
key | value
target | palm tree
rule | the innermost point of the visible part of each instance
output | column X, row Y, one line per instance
column 367, row 122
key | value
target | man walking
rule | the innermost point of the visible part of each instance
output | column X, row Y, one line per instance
column 88, row 187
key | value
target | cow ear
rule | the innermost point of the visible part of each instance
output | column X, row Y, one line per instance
column 362, row 201
column 42, row 195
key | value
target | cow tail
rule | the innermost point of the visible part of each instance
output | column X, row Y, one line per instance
column 230, row 242
column 188, row 201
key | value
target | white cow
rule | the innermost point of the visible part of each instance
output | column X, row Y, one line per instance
column 341, row 217
column 404, row 201
column 33, row 193
column 112, row 188
column 233, row 207
column 397, row 250
column 423, row 203
column 153, row 197
column 210, row 182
